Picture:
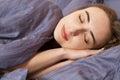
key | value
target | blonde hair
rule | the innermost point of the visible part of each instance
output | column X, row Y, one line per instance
column 114, row 24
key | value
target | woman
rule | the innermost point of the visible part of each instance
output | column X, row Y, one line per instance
column 80, row 34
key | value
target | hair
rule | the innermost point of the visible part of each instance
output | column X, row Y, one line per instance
column 114, row 24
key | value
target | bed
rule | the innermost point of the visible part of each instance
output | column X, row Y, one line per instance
column 14, row 40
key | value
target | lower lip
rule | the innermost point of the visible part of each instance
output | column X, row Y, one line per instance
column 64, row 33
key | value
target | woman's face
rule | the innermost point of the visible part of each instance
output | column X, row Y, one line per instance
column 83, row 29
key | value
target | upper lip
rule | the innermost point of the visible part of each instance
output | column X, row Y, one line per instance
column 64, row 34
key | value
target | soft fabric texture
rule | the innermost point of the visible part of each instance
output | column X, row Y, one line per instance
column 74, row 4
column 68, row 6
column 114, row 4
column 61, row 3
column 104, row 66
column 18, row 74
column 25, row 25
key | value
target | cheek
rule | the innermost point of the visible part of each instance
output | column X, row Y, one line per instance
column 77, row 43
column 57, row 33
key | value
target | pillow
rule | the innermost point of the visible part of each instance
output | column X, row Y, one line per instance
column 78, row 3
column 103, row 66
column 69, row 5
column 61, row 3
column 114, row 4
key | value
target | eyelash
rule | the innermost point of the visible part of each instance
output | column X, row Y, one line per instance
column 80, row 19
column 86, row 41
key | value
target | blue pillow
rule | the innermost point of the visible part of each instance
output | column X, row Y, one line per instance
column 103, row 66
column 114, row 4
column 78, row 3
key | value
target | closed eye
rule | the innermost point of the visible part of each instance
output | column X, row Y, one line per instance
column 80, row 19
column 85, row 39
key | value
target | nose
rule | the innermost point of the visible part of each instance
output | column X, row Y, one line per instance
column 76, row 30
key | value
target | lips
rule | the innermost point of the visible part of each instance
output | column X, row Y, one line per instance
column 63, row 32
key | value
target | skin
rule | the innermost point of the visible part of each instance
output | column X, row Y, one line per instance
column 80, row 27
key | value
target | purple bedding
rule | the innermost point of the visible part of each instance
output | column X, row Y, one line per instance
column 114, row 5
column 104, row 66
column 25, row 25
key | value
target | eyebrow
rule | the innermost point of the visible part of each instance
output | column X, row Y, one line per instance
column 88, row 16
column 93, row 37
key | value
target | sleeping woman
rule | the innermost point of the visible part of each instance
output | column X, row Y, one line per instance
column 84, row 32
